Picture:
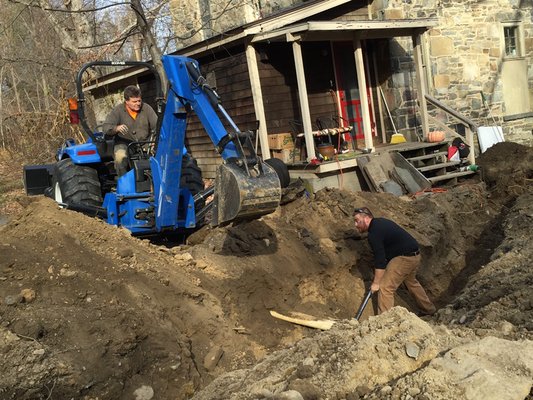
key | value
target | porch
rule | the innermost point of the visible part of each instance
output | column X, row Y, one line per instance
column 422, row 165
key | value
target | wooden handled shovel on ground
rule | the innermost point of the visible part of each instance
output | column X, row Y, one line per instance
column 323, row 324
column 363, row 305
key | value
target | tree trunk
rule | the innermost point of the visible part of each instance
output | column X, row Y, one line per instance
column 15, row 90
column 75, row 32
column 153, row 50
column 46, row 93
column 2, row 110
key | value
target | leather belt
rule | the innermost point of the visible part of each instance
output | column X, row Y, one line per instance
column 413, row 254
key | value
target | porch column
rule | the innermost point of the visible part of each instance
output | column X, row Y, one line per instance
column 304, row 103
column 361, row 82
column 257, row 96
column 421, row 82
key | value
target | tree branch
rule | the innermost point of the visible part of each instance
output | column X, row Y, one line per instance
column 85, row 10
column 123, row 37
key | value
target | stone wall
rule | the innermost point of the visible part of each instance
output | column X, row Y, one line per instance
column 465, row 54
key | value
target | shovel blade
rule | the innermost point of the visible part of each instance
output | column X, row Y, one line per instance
column 240, row 196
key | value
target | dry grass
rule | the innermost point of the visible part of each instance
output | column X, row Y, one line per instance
column 11, row 184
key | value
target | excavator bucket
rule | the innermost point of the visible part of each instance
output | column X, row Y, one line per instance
column 241, row 196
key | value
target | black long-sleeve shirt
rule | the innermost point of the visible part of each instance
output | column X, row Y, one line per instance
column 389, row 240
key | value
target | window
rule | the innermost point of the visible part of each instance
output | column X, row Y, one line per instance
column 512, row 40
column 510, row 34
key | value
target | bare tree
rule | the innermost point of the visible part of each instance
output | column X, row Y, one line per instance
column 58, row 36
column 145, row 29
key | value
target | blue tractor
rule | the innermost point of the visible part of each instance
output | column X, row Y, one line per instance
column 163, row 190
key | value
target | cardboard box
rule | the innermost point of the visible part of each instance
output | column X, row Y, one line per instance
column 280, row 141
column 287, row 155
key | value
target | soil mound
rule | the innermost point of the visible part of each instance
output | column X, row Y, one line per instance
column 507, row 169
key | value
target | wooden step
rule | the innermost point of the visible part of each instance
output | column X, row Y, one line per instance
column 438, row 166
column 450, row 175
column 427, row 156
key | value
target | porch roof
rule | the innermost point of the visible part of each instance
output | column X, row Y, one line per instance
column 339, row 30
column 287, row 25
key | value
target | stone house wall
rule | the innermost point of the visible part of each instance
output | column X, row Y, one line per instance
column 466, row 57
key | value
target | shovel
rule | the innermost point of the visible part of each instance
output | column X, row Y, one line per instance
column 363, row 305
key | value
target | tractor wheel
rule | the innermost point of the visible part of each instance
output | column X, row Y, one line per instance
column 281, row 169
column 191, row 177
column 77, row 184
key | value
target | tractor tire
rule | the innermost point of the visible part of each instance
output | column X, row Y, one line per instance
column 76, row 184
column 191, row 175
column 281, row 169
column 191, row 178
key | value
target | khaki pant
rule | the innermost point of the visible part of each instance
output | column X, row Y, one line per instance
column 120, row 155
column 402, row 269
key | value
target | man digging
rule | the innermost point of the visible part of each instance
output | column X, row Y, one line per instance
column 396, row 258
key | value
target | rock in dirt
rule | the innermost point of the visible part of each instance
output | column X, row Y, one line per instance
column 213, row 357
column 11, row 300
column 28, row 295
column 144, row 393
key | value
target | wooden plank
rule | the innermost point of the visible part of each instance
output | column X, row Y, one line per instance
column 438, row 166
column 450, row 176
column 428, row 156
column 323, row 324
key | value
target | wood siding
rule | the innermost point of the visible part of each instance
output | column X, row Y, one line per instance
column 228, row 72
column 280, row 89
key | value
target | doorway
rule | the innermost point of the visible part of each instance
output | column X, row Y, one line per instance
column 348, row 89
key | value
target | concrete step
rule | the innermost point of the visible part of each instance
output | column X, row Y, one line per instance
column 439, row 166
column 427, row 156
column 450, row 175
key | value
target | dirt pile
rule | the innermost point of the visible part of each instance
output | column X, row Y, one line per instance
column 87, row 311
column 393, row 356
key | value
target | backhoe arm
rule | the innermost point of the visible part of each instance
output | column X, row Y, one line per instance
column 245, row 187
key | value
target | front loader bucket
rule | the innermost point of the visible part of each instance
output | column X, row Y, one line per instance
column 239, row 196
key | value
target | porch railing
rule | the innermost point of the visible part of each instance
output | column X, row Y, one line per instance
column 470, row 126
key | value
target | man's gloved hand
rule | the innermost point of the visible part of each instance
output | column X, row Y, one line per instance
column 122, row 129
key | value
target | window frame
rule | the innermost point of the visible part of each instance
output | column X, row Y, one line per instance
column 519, row 40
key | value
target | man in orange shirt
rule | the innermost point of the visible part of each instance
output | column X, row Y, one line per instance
column 131, row 121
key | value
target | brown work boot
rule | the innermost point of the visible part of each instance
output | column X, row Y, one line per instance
column 423, row 313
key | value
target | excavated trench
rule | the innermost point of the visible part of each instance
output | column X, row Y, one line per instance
column 90, row 312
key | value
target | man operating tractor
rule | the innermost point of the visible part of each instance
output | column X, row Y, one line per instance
column 128, row 122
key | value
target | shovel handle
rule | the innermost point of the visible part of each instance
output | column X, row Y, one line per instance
column 363, row 305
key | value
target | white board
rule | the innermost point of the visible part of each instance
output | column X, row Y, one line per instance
column 489, row 136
